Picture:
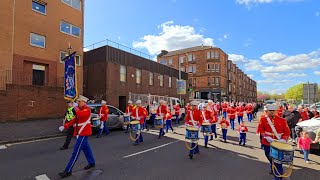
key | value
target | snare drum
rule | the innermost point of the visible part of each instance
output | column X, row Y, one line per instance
column 158, row 121
column 135, row 125
column 95, row 122
column 126, row 118
column 206, row 127
column 281, row 152
column 192, row 133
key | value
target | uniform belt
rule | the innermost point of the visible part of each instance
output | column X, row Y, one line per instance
column 271, row 134
column 84, row 123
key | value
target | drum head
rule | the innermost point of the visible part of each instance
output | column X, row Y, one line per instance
column 206, row 124
column 134, row 122
column 282, row 146
column 95, row 119
column 158, row 117
column 192, row 129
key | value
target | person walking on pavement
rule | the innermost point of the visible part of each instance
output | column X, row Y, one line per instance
column 103, row 113
column 207, row 117
column 273, row 127
column 82, row 129
column 70, row 113
column 292, row 117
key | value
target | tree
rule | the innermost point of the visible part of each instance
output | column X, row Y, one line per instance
column 295, row 92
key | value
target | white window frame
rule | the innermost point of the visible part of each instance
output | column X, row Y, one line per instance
column 194, row 82
column 190, row 70
column 208, row 55
column 181, row 59
column 212, row 54
column 45, row 8
column 217, row 81
column 163, row 61
column 217, row 55
column 71, row 4
column 209, row 81
column 217, row 67
column 70, row 33
column 125, row 73
column 35, row 44
column 138, row 76
column 182, row 68
column 208, row 67
column 194, row 69
column 170, row 82
column 76, row 56
column 190, row 57
column 161, row 80
column 170, row 61
column 150, row 79
column 213, row 81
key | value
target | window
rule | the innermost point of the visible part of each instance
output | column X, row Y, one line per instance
column 38, row 74
column 194, row 57
column 217, row 67
column 189, row 69
column 113, row 111
column 230, row 88
column 73, row 3
column 213, row 81
column 69, row 29
column 217, row 81
column 37, row 40
column 39, row 7
column 208, row 55
column 64, row 54
column 123, row 73
column 194, row 69
column 138, row 76
column 208, row 67
column 151, row 79
column 163, row 61
column 217, row 54
column 170, row 61
column 189, row 57
column 194, row 81
column 209, row 81
column 190, row 82
column 170, row 82
column 182, row 68
column 181, row 59
column 229, row 65
column 161, row 80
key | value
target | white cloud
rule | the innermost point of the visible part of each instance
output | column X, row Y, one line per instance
column 236, row 58
column 317, row 73
column 251, row 76
column 295, row 75
column 253, row 65
column 172, row 37
column 275, row 81
column 273, row 57
column 248, row 2
column 86, row 49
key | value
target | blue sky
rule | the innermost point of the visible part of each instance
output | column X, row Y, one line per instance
column 277, row 42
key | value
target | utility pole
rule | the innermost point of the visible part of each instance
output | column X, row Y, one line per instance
column 179, row 73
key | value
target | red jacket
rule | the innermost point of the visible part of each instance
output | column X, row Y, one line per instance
column 249, row 109
column 177, row 110
column 224, row 107
column 129, row 109
column 232, row 112
column 218, row 109
column 224, row 124
column 168, row 115
column 197, row 118
column 103, row 113
column 280, row 125
column 82, row 118
column 188, row 108
column 242, row 129
column 280, row 111
column 240, row 110
column 162, row 111
column 304, row 115
column 207, row 115
column 139, row 112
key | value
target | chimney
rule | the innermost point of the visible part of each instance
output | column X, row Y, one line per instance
column 163, row 52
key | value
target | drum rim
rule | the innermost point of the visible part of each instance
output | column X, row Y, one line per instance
column 272, row 145
column 192, row 129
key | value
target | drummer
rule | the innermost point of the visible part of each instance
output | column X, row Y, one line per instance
column 153, row 112
column 207, row 118
column 194, row 119
column 139, row 113
column 162, row 111
column 272, row 127
column 129, row 111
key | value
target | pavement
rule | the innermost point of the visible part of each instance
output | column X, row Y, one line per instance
column 166, row 158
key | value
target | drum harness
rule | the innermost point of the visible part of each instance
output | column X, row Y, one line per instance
column 192, row 141
column 205, row 119
column 138, row 133
column 288, row 172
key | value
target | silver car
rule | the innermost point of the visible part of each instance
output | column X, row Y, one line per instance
column 115, row 117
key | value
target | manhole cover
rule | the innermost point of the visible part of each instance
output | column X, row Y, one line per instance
column 87, row 174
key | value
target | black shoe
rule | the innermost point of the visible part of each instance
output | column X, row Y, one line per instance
column 205, row 146
column 63, row 148
column 65, row 174
column 239, row 142
column 99, row 136
column 89, row 166
column 225, row 141
column 190, row 156
column 159, row 137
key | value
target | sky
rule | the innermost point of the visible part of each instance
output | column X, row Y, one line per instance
column 275, row 42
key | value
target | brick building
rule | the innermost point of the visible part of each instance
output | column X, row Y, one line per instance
column 34, row 36
column 210, row 75
column 111, row 73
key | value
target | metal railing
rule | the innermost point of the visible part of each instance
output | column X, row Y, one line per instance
column 118, row 46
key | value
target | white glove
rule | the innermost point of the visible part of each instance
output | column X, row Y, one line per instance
column 138, row 118
column 196, row 127
column 269, row 139
column 61, row 128
column 282, row 140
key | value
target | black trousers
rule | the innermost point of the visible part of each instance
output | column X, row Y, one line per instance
column 69, row 137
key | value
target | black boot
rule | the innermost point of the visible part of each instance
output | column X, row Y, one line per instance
column 190, row 156
column 89, row 166
column 65, row 174
column 63, row 148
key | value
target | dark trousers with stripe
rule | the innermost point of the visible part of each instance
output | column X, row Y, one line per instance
column 69, row 137
column 105, row 128
column 81, row 145
column 277, row 165
column 214, row 131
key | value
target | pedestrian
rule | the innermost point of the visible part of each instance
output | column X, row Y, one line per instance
column 82, row 129
column 177, row 112
column 194, row 119
column 315, row 112
column 232, row 115
column 103, row 114
column 139, row 113
column 153, row 112
column 273, row 127
column 145, row 126
column 224, row 128
column 304, row 144
column 317, row 139
column 168, row 120
column 207, row 117
column 310, row 114
column 242, row 130
column 292, row 117
column 280, row 111
column 129, row 111
column 303, row 113
column 240, row 109
column 70, row 113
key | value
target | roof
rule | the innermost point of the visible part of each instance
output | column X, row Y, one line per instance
column 186, row 50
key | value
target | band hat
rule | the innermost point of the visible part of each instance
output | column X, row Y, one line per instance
column 265, row 108
column 138, row 101
column 82, row 98
column 210, row 101
column 194, row 103
column 272, row 107
column 129, row 102
column 154, row 102
column 103, row 102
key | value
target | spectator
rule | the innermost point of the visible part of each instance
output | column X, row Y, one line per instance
column 315, row 112
column 310, row 114
column 317, row 140
column 303, row 113
column 304, row 143
column 292, row 117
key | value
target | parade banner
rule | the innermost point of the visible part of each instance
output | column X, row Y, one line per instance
column 181, row 85
column 70, row 79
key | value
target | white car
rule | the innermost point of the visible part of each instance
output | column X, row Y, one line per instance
column 311, row 126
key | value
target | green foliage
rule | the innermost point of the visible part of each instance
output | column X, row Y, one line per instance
column 295, row 92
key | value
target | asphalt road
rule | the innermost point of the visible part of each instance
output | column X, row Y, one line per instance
column 166, row 158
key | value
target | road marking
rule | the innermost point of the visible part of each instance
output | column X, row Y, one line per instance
column 38, row 140
column 3, row 147
column 151, row 149
column 42, row 177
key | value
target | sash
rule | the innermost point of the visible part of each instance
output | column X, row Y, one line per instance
column 83, row 125
column 137, row 113
column 204, row 117
column 191, row 116
column 273, row 128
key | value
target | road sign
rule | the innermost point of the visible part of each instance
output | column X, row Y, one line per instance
column 310, row 93
column 181, row 84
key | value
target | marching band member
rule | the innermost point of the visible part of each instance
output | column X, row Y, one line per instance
column 217, row 111
column 162, row 111
column 188, row 108
column 249, row 110
column 224, row 109
column 240, row 112
column 207, row 117
column 224, row 128
column 82, row 129
column 103, row 113
column 153, row 112
column 242, row 130
column 139, row 113
column 194, row 118
column 129, row 111
column 232, row 115
column 168, row 120
column 280, row 111
column 214, row 126
column 273, row 127
column 210, row 105
column 177, row 112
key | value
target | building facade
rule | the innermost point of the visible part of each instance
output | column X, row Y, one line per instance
column 210, row 74
column 35, row 36
column 111, row 74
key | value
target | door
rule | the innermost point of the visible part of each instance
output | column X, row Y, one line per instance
column 113, row 118
column 38, row 77
column 122, row 103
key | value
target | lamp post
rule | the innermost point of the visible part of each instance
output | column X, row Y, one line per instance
column 179, row 72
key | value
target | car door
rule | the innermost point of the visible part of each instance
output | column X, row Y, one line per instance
column 113, row 118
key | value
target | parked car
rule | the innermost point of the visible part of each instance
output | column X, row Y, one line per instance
column 311, row 126
column 115, row 117
column 315, row 105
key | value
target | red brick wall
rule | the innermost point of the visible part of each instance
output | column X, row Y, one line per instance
column 22, row 102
